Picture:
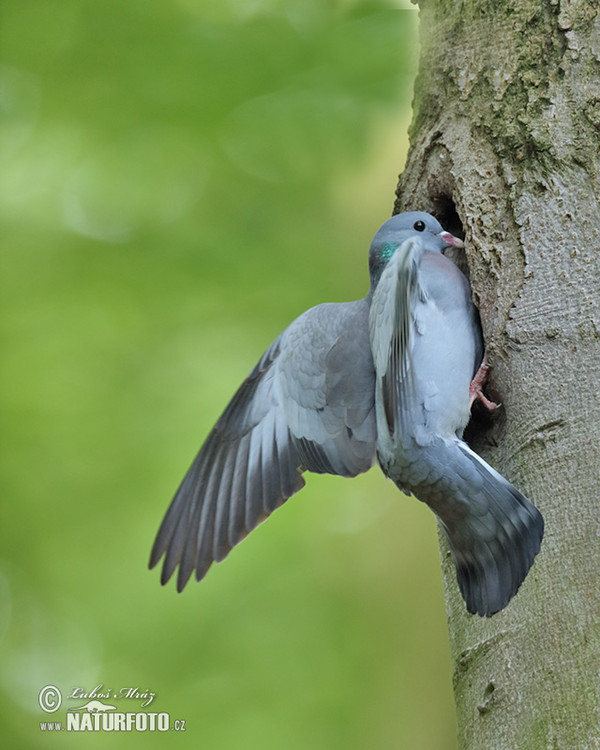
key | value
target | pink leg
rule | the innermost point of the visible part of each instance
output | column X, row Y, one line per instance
column 475, row 389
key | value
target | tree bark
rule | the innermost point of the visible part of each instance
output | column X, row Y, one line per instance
column 504, row 148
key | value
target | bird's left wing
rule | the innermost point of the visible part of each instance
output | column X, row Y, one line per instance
column 307, row 405
column 391, row 325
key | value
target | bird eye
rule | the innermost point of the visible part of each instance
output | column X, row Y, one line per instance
column 419, row 226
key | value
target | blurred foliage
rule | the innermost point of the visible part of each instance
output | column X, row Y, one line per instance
column 181, row 179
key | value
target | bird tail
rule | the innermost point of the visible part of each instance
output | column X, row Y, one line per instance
column 494, row 531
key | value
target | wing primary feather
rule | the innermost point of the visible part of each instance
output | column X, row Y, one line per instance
column 223, row 504
column 190, row 550
column 206, row 503
column 201, row 500
column 206, row 526
column 188, row 497
column 237, row 513
column 170, row 521
column 254, row 483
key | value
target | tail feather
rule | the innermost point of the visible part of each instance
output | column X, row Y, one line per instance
column 494, row 531
column 490, row 567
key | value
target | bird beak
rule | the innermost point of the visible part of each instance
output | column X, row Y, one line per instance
column 450, row 240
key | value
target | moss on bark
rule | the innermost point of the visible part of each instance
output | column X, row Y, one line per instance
column 504, row 147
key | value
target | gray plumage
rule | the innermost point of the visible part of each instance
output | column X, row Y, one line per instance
column 385, row 378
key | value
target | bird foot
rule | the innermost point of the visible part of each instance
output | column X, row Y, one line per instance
column 475, row 389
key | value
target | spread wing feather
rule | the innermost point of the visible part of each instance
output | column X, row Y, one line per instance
column 308, row 405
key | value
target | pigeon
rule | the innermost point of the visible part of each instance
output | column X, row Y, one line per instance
column 389, row 379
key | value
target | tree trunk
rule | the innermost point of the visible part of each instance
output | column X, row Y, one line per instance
column 504, row 147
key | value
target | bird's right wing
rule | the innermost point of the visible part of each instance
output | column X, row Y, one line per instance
column 307, row 405
column 391, row 325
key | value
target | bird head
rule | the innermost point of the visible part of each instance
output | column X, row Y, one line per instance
column 402, row 227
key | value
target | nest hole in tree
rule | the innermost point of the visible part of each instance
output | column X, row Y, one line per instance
column 445, row 211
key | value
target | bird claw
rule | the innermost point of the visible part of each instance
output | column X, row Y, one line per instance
column 475, row 389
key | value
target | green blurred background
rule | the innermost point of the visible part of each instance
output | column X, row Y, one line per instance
column 180, row 180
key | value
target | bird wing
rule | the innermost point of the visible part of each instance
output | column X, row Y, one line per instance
column 308, row 405
column 391, row 329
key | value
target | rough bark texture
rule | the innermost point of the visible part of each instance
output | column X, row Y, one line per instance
column 504, row 147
